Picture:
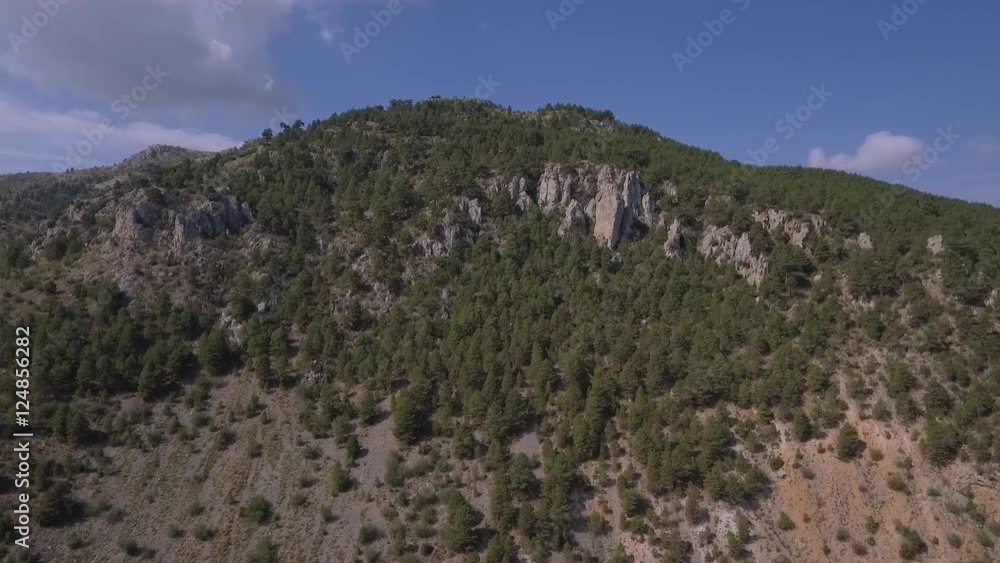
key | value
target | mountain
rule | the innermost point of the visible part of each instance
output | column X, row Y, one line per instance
column 451, row 331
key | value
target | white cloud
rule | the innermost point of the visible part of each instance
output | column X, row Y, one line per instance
column 219, row 51
column 215, row 58
column 880, row 151
column 52, row 135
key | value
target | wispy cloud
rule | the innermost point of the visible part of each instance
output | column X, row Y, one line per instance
column 879, row 151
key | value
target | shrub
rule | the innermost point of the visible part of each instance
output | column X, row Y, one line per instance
column 266, row 551
column 203, row 532
column 912, row 544
column 130, row 547
column 368, row 533
column 848, row 445
column 257, row 509
column 785, row 522
column 326, row 513
column 897, row 483
column 340, row 479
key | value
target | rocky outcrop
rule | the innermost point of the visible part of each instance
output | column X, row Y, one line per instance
column 574, row 221
column 517, row 188
column 556, row 187
column 935, row 245
column 609, row 200
column 865, row 242
column 674, row 245
column 134, row 223
column 472, row 208
column 720, row 243
column 210, row 219
column 443, row 238
column 795, row 230
column 618, row 209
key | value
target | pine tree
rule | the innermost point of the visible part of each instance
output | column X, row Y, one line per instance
column 459, row 531
column 848, row 445
column 213, row 352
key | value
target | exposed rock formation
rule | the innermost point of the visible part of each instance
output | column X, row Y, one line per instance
column 675, row 240
column 795, row 230
column 555, row 187
column 865, row 241
column 517, row 187
column 135, row 222
column 574, row 222
column 725, row 247
column 472, row 208
column 210, row 219
column 444, row 238
column 935, row 245
column 613, row 200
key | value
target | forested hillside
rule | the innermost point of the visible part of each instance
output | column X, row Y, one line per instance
column 450, row 331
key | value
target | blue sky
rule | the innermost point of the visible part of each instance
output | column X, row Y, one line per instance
column 912, row 99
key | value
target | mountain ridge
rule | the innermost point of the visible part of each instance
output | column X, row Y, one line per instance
column 456, row 329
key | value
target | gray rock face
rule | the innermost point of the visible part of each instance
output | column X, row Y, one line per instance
column 472, row 208
column 725, row 247
column 517, row 187
column 444, row 237
column 795, row 230
column 865, row 241
column 935, row 245
column 574, row 222
column 135, row 222
column 621, row 207
column 209, row 220
column 555, row 187
column 612, row 201
column 675, row 240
